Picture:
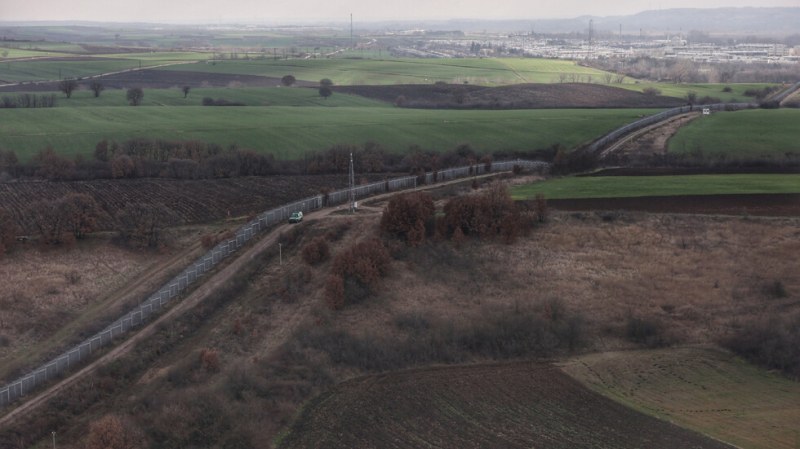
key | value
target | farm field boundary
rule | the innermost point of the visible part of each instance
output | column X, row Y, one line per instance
column 292, row 132
column 768, row 205
column 704, row 389
column 151, row 307
column 510, row 405
column 668, row 185
column 750, row 134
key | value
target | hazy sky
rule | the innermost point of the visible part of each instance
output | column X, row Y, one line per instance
column 335, row 11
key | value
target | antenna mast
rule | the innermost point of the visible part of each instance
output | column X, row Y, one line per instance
column 351, row 194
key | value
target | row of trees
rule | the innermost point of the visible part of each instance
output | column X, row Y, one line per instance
column 28, row 101
column 134, row 95
column 64, row 220
column 686, row 71
column 137, row 158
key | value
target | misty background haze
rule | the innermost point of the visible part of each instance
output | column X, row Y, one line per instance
column 188, row 11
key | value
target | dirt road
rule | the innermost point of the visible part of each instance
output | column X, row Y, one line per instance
column 198, row 295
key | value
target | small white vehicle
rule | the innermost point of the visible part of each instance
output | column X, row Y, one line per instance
column 296, row 217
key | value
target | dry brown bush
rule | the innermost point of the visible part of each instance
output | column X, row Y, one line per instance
column 8, row 231
column 406, row 217
column 209, row 359
column 316, row 251
column 115, row 432
column 484, row 215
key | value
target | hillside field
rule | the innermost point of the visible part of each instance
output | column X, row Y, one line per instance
column 638, row 186
column 250, row 96
column 493, row 71
column 704, row 389
column 747, row 134
column 518, row 405
column 289, row 132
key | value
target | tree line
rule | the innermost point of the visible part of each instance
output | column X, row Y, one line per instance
column 157, row 158
column 66, row 220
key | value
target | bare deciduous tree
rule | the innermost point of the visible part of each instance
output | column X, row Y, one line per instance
column 135, row 96
column 96, row 87
column 141, row 224
column 68, row 86
column 288, row 80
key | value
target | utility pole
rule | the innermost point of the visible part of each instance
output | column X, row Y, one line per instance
column 351, row 194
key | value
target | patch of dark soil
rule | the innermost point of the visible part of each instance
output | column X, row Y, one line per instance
column 518, row 96
column 772, row 205
column 161, row 79
column 671, row 171
column 516, row 405
column 194, row 201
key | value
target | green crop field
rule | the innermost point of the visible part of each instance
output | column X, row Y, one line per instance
column 52, row 70
column 636, row 186
column 706, row 390
column 290, row 132
column 494, row 71
column 736, row 95
column 250, row 96
column 748, row 134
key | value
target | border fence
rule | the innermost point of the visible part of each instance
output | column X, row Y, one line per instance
column 205, row 263
column 618, row 133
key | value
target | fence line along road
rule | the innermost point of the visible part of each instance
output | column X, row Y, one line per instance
column 205, row 263
column 623, row 131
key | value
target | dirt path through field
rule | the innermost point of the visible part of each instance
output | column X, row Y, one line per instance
column 652, row 139
column 198, row 295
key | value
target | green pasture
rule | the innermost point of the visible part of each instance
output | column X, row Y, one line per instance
column 290, row 132
column 249, row 96
column 162, row 56
column 14, row 53
column 636, row 186
column 16, row 71
column 704, row 389
column 747, row 134
column 736, row 95
column 343, row 71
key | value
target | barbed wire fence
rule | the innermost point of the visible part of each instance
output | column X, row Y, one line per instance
column 205, row 263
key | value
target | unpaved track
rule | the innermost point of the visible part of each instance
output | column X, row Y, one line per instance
column 201, row 293
column 198, row 295
column 140, row 286
column 650, row 139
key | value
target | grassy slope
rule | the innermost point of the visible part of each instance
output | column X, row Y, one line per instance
column 289, row 132
column 702, row 90
column 634, row 186
column 702, row 389
column 744, row 134
column 396, row 71
column 50, row 70
column 251, row 96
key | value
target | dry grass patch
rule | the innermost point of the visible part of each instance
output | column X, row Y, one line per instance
column 703, row 389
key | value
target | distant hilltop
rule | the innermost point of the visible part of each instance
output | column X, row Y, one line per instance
column 776, row 22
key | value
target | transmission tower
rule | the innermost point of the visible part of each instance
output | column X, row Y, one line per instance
column 351, row 193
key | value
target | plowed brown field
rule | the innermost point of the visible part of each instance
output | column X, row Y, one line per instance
column 512, row 405
column 197, row 201
column 769, row 205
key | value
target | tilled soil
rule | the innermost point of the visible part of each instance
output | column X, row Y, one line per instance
column 518, row 96
column 511, row 405
column 780, row 205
